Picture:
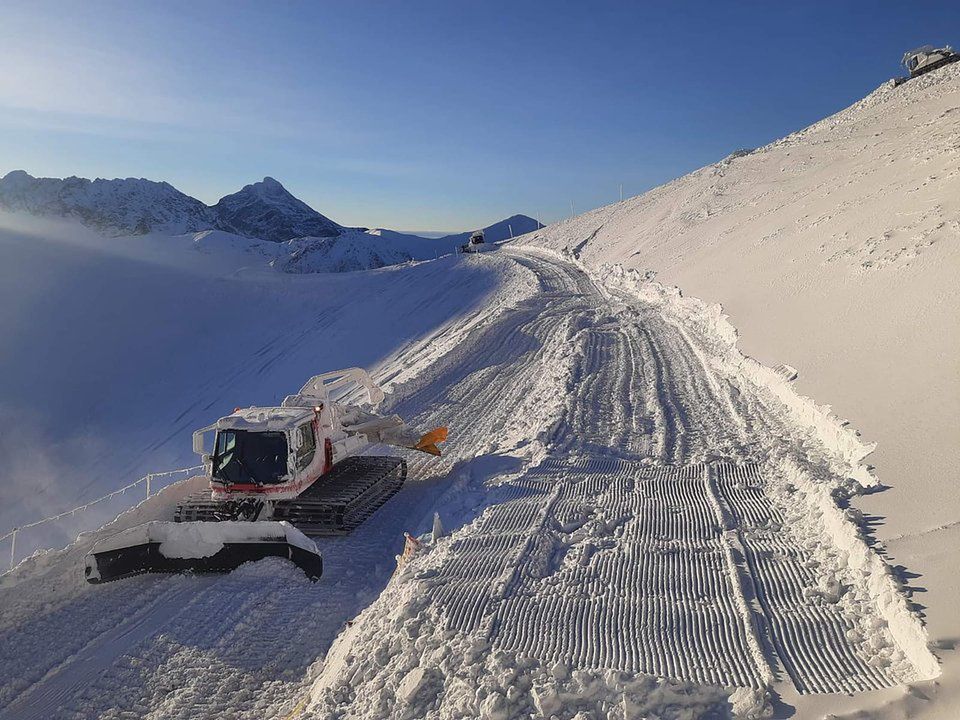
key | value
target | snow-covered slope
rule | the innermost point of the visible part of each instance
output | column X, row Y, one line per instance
column 836, row 250
column 116, row 207
column 394, row 235
column 638, row 526
column 351, row 251
column 641, row 521
column 113, row 352
column 266, row 210
column 354, row 250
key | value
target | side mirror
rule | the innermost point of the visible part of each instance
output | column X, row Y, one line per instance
column 199, row 441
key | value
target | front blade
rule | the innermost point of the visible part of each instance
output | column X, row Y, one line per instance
column 161, row 547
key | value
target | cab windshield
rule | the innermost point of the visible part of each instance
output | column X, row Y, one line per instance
column 243, row 457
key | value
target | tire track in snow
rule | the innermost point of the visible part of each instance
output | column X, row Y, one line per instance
column 529, row 349
column 669, row 420
column 540, row 576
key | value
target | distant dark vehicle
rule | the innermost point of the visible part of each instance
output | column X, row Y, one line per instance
column 927, row 58
column 475, row 244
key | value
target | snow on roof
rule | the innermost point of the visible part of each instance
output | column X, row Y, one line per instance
column 264, row 419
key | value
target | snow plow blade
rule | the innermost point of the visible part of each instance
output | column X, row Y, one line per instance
column 199, row 547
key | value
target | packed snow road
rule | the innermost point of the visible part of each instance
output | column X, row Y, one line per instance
column 663, row 529
column 617, row 501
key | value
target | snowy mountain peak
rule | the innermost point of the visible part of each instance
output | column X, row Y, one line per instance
column 269, row 187
column 16, row 176
column 135, row 206
column 267, row 210
column 131, row 206
column 263, row 210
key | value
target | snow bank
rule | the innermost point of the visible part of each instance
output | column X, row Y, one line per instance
column 710, row 324
column 713, row 328
column 860, row 565
column 406, row 374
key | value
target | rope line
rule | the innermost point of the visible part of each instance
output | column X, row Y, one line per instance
column 118, row 491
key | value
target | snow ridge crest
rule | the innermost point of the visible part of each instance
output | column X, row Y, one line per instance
column 264, row 210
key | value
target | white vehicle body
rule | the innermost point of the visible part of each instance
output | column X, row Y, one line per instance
column 926, row 58
column 476, row 243
column 303, row 439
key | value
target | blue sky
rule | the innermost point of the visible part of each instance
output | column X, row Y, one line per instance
column 432, row 115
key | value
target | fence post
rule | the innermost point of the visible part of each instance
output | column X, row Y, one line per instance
column 149, row 477
column 13, row 547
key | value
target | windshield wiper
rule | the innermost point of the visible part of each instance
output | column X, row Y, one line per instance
column 244, row 467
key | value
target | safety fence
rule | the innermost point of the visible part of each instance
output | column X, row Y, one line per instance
column 147, row 481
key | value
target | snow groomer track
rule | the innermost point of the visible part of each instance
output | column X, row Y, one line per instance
column 679, row 523
column 635, row 507
column 660, row 587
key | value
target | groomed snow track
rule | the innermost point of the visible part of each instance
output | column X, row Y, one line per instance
column 655, row 533
column 816, row 644
column 621, row 565
column 660, row 601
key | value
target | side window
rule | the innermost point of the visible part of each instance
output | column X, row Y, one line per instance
column 226, row 444
column 306, row 447
column 226, row 441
